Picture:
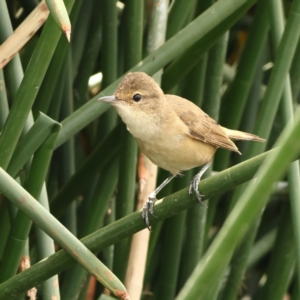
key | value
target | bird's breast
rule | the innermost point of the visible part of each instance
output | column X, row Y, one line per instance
column 141, row 125
column 176, row 153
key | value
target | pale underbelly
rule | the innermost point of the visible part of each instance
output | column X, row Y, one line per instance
column 185, row 154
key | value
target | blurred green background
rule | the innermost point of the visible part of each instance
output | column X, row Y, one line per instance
column 239, row 61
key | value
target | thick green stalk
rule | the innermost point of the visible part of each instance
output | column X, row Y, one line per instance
column 13, row 71
column 261, row 248
column 108, row 252
column 239, row 263
column 214, row 78
column 173, row 233
column 178, row 15
column 172, row 243
column 132, row 223
column 99, row 201
column 134, row 11
column 237, row 95
column 296, row 292
column 155, row 237
column 295, row 74
column 68, row 150
column 5, row 225
column 193, row 242
column 59, row 94
column 167, row 190
column 251, row 108
column 134, row 14
column 82, row 20
column 109, row 60
column 53, row 74
column 3, row 101
column 282, row 262
column 153, row 259
column 109, row 57
column 194, row 90
column 46, row 247
column 211, row 105
column 91, row 52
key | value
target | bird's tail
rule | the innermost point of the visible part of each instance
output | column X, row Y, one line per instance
column 240, row 135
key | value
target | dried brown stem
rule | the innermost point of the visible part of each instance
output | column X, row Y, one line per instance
column 23, row 33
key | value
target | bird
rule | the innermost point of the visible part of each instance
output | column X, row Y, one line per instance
column 173, row 132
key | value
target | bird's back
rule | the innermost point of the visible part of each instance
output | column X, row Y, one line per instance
column 201, row 126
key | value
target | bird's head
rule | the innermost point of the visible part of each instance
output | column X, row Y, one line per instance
column 137, row 92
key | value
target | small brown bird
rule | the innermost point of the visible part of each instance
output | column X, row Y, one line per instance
column 174, row 133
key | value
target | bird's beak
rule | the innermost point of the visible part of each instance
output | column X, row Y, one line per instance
column 107, row 99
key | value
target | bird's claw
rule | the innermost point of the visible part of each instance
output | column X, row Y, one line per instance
column 148, row 207
column 194, row 185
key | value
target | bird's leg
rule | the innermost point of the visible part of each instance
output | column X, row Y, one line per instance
column 149, row 206
column 194, row 185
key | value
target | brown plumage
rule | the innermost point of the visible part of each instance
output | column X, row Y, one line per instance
column 172, row 132
column 203, row 128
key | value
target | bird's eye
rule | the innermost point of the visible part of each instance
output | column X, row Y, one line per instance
column 137, row 97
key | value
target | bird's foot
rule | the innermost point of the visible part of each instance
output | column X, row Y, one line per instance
column 194, row 185
column 149, row 207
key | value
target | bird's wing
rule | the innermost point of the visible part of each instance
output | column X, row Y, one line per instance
column 200, row 126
